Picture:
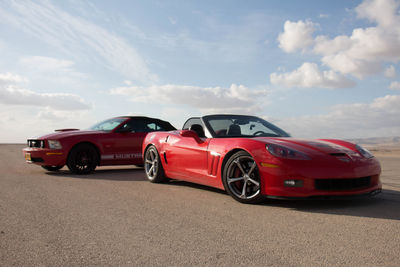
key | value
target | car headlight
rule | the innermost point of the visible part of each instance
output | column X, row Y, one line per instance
column 364, row 152
column 54, row 144
column 286, row 153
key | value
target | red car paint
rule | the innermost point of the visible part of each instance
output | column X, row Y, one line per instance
column 114, row 147
column 186, row 156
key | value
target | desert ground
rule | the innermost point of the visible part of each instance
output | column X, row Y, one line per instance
column 114, row 217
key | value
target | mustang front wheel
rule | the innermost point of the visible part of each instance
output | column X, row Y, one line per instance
column 82, row 159
column 241, row 178
column 153, row 166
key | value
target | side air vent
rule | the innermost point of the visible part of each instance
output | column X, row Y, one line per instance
column 165, row 157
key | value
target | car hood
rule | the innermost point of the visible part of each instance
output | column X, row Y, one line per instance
column 63, row 134
column 313, row 146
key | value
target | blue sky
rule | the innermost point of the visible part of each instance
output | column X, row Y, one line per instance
column 315, row 68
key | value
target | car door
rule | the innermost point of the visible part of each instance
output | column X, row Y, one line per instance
column 124, row 144
column 187, row 155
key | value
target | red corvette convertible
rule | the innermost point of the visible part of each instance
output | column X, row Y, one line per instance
column 117, row 141
column 252, row 159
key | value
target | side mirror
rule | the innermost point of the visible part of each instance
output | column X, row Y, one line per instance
column 191, row 134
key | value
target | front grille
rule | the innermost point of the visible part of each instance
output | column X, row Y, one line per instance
column 342, row 184
column 36, row 143
column 37, row 160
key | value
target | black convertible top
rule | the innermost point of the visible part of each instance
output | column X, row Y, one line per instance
column 165, row 124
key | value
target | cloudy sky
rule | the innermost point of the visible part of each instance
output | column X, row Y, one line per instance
column 314, row 68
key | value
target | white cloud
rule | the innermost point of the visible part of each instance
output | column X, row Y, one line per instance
column 224, row 42
column 53, row 115
column 308, row 75
column 361, row 54
column 17, row 124
column 47, row 64
column 12, row 94
column 325, row 46
column 378, row 118
column 76, row 37
column 236, row 98
column 383, row 12
column 390, row 72
column 296, row 35
column 9, row 78
column 52, row 70
column 395, row 86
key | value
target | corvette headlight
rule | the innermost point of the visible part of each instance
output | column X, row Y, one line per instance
column 365, row 152
column 286, row 153
column 54, row 144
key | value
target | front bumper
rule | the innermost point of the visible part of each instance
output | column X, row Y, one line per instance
column 347, row 179
column 44, row 156
column 331, row 197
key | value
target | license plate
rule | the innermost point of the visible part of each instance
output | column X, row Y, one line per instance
column 28, row 156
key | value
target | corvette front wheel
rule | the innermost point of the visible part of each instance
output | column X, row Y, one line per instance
column 241, row 178
column 153, row 166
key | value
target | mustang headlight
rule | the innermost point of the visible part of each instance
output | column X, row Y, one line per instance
column 286, row 153
column 54, row 144
column 365, row 152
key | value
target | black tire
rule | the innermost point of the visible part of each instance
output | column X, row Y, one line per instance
column 52, row 168
column 83, row 159
column 241, row 178
column 153, row 166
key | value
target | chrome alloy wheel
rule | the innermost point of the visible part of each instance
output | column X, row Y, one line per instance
column 243, row 178
column 151, row 163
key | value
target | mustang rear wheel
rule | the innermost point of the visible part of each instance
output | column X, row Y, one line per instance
column 241, row 178
column 52, row 168
column 82, row 159
column 153, row 166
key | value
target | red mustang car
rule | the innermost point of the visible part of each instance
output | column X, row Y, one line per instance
column 252, row 159
column 117, row 141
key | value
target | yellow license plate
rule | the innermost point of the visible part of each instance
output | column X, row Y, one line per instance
column 28, row 156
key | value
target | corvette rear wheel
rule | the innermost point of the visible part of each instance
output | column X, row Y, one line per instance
column 52, row 168
column 241, row 178
column 153, row 166
column 82, row 159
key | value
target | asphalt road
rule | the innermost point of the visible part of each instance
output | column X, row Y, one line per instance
column 115, row 217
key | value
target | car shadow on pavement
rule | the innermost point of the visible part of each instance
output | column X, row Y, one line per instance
column 128, row 174
column 197, row 186
column 385, row 205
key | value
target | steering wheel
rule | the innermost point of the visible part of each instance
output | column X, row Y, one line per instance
column 258, row 133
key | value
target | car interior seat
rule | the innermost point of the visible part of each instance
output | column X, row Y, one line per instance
column 234, row 130
column 221, row 132
column 198, row 129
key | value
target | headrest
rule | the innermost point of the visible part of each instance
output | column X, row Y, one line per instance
column 198, row 129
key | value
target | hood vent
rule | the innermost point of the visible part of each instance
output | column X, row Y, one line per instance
column 66, row 130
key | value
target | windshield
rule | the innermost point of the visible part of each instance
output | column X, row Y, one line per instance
column 241, row 126
column 107, row 125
